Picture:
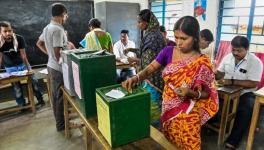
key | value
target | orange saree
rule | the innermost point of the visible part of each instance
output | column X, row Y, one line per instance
column 181, row 120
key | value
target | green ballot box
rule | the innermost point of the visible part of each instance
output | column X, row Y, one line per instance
column 91, row 69
column 123, row 120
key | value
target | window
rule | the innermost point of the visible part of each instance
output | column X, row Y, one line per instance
column 242, row 17
column 167, row 13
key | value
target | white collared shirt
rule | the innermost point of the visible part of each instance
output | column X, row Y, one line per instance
column 119, row 48
column 249, row 68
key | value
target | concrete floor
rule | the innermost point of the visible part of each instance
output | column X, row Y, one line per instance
column 23, row 131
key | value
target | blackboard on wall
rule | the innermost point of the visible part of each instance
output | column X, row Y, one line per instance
column 29, row 17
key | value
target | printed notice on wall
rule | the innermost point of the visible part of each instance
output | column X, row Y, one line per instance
column 65, row 73
column 75, row 73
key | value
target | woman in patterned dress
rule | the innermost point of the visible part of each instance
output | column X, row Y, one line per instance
column 189, row 96
column 152, row 42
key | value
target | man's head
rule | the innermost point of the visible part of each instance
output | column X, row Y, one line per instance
column 59, row 11
column 206, row 37
column 163, row 31
column 124, row 36
column 6, row 31
column 240, row 45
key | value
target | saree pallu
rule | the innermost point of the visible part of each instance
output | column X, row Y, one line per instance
column 180, row 126
column 92, row 41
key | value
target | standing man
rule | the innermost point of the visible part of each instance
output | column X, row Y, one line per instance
column 52, row 41
column 127, row 58
column 244, row 69
column 13, row 57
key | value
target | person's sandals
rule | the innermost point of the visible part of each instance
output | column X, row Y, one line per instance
column 229, row 147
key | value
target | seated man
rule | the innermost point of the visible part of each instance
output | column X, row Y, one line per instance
column 121, row 56
column 164, row 34
column 13, row 56
column 241, row 68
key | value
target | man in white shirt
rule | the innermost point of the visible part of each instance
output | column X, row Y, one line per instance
column 126, row 58
column 241, row 68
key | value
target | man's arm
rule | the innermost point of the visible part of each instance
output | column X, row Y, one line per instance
column 131, row 50
column 24, row 58
column 246, row 83
column 219, row 75
column 242, row 83
column 41, row 45
column 57, row 51
column 1, row 57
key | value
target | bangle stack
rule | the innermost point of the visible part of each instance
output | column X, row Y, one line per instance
column 199, row 94
column 137, row 78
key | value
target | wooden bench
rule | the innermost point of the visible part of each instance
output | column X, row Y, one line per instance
column 258, row 102
column 91, row 131
column 230, row 96
column 5, row 82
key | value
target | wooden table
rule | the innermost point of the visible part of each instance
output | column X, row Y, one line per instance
column 258, row 102
column 155, row 141
column 27, row 79
column 230, row 96
column 47, row 81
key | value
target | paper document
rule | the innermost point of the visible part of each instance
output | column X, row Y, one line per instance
column 115, row 94
column 4, row 75
column 65, row 73
column 19, row 73
column 44, row 71
column 190, row 107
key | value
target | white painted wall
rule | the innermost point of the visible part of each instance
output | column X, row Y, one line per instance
column 211, row 18
column 143, row 3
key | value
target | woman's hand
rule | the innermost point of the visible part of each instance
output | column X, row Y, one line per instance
column 130, row 83
column 182, row 91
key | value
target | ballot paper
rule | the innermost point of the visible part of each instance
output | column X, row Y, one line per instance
column 115, row 94
column 19, row 73
column 124, row 60
column 184, row 85
column 5, row 75
column 44, row 71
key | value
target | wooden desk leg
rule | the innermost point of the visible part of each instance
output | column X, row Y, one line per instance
column 88, row 140
column 253, row 123
column 49, row 90
column 234, row 110
column 222, row 130
column 66, row 116
column 31, row 96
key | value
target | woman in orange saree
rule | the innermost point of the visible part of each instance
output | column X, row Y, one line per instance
column 189, row 96
column 183, row 116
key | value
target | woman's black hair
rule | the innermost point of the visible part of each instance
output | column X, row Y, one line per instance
column 190, row 26
column 240, row 41
column 145, row 15
column 94, row 22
